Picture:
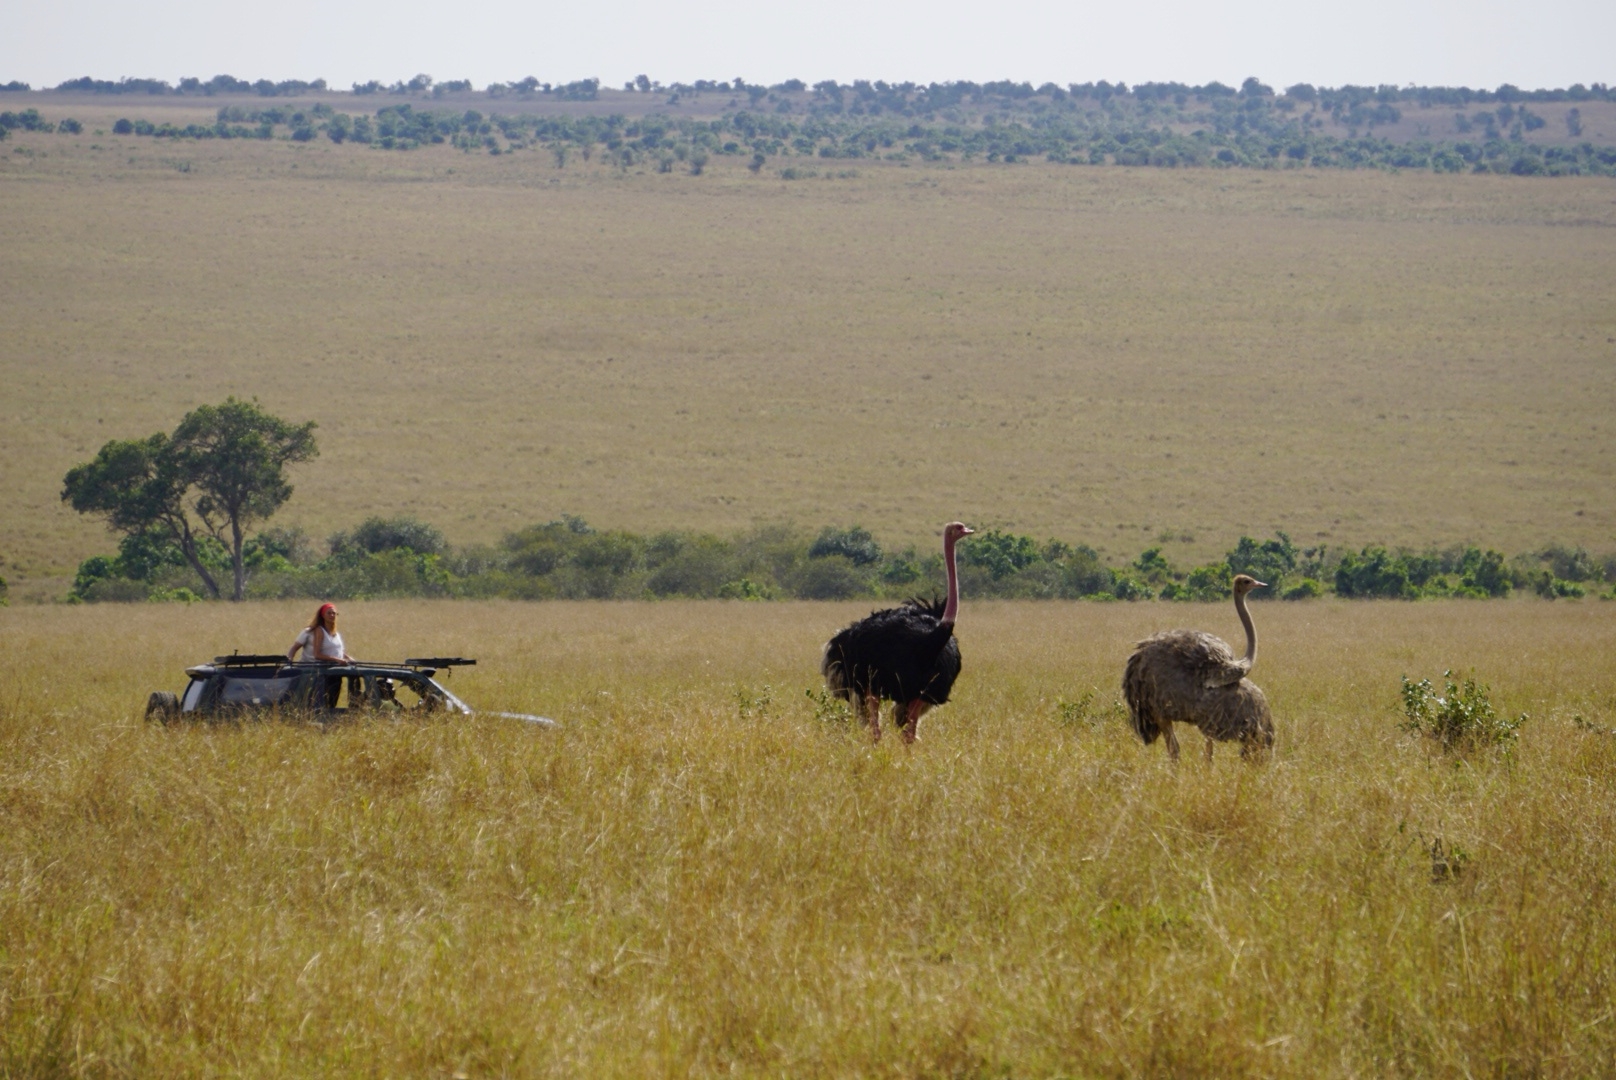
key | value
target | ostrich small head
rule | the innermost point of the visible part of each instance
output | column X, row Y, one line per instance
column 1244, row 583
column 956, row 530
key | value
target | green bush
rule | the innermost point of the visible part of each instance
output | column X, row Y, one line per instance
column 1000, row 554
column 700, row 567
column 834, row 577
column 389, row 534
column 1272, row 562
column 1374, row 572
column 179, row 595
column 1546, row 585
column 1154, row 569
column 1484, row 572
column 1462, row 718
column 1212, row 582
column 855, row 543
column 1305, row 589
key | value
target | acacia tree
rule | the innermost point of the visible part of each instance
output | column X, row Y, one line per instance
column 135, row 485
column 221, row 470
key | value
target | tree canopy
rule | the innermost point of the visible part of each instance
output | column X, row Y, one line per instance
column 221, row 470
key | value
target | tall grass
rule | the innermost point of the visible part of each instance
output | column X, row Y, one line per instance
column 693, row 874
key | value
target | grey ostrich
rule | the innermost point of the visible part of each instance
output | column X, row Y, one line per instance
column 1191, row 677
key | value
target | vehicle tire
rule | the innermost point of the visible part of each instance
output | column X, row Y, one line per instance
column 162, row 706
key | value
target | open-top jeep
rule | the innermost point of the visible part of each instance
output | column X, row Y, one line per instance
column 241, row 686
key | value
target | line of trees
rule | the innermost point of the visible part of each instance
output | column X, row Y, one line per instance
column 185, row 504
column 569, row 559
column 918, row 97
column 1229, row 136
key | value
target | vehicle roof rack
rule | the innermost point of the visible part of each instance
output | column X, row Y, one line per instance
column 436, row 663
column 250, row 660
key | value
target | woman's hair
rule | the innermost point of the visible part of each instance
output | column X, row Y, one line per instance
column 319, row 616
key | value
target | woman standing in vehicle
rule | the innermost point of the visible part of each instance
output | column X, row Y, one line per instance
column 321, row 643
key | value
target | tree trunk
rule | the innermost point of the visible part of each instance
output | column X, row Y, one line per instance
column 188, row 549
column 235, row 559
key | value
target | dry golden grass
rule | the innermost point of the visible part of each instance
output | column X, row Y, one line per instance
column 1099, row 354
column 683, row 880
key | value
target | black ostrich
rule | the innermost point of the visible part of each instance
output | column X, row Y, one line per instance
column 906, row 655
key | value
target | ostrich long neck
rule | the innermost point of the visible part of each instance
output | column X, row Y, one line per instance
column 951, row 609
column 1251, row 631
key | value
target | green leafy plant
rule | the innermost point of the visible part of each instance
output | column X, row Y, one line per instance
column 1306, row 589
column 1072, row 713
column 829, row 709
column 1462, row 717
column 753, row 702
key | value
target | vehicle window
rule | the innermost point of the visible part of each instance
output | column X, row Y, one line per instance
column 404, row 695
column 253, row 691
column 193, row 694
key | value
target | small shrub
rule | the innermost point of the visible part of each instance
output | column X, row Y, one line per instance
column 1129, row 588
column 1461, row 718
column 829, row 709
column 831, row 578
column 1272, row 561
column 1374, row 572
column 749, row 702
column 376, row 535
column 1485, row 572
column 1072, row 713
column 1212, row 582
column 1088, row 711
column 699, row 568
column 1582, row 724
column 999, row 553
column 178, row 595
column 855, row 543
column 1552, row 588
column 1306, row 589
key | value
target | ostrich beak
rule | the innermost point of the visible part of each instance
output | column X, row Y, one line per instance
column 1255, row 584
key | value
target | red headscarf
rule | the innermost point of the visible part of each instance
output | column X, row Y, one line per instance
column 319, row 616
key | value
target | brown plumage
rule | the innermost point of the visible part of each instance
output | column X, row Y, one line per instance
column 1191, row 677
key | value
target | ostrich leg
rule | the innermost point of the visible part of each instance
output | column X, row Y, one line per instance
column 1170, row 739
column 910, row 727
column 1208, row 746
column 870, row 706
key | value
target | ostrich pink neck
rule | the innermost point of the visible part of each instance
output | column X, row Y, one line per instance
column 1251, row 631
column 951, row 609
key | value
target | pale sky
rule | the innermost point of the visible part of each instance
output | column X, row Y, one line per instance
column 1430, row 42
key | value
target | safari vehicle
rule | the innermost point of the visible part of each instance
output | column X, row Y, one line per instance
column 242, row 686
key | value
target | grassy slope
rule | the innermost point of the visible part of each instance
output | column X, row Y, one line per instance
column 672, row 883
column 1097, row 354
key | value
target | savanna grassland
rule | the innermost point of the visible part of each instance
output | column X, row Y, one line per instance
column 1108, row 355
column 695, row 874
